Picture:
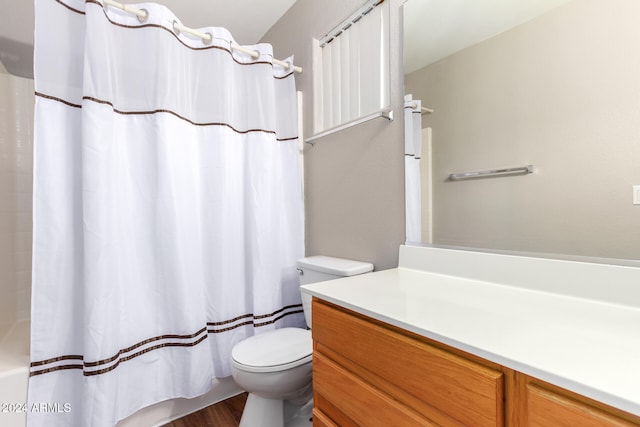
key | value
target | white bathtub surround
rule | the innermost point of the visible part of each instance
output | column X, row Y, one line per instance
column 16, row 166
column 574, row 324
column 14, row 371
column 168, row 212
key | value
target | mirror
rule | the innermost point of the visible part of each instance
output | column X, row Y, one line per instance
column 549, row 83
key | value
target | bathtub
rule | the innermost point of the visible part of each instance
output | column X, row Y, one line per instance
column 164, row 412
column 14, row 373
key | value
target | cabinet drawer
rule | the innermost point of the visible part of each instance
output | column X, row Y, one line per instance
column 363, row 404
column 321, row 420
column 546, row 408
column 462, row 389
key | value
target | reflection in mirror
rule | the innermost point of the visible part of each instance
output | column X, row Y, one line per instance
column 557, row 87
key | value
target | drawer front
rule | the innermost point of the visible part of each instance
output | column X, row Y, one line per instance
column 321, row 420
column 329, row 413
column 545, row 408
column 363, row 404
column 462, row 389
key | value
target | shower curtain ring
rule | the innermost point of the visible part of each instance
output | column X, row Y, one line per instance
column 175, row 28
column 143, row 19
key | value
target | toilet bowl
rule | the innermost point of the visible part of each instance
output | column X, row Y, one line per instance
column 275, row 366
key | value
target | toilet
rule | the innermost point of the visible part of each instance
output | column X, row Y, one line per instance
column 275, row 367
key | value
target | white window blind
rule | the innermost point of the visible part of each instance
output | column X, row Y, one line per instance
column 351, row 68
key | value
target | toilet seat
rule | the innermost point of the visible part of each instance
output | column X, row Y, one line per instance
column 273, row 351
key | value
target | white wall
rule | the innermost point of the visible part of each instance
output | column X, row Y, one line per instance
column 16, row 171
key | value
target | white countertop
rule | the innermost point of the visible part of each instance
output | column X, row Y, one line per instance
column 582, row 344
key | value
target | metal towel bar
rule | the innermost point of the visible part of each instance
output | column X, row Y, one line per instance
column 523, row 170
column 387, row 113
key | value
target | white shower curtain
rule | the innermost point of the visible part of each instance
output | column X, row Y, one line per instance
column 167, row 209
column 412, row 154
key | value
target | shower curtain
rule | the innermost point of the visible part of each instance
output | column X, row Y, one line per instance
column 167, row 209
column 412, row 154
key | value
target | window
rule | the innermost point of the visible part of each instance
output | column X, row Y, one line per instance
column 351, row 68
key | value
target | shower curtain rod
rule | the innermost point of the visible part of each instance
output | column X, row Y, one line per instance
column 423, row 110
column 143, row 14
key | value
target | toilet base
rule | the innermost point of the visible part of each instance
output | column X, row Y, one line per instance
column 263, row 412
column 298, row 416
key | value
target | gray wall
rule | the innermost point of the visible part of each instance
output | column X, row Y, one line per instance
column 16, row 37
column 562, row 92
column 354, row 179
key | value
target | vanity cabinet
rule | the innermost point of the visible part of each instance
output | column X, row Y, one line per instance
column 369, row 373
column 364, row 370
column 547, row 405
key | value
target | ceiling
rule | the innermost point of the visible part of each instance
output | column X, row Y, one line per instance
column 248, row 21
column 435, row 29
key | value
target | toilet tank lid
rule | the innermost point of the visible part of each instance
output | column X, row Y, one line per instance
column 335, row 266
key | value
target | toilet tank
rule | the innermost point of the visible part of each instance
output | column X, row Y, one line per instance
column 319, row 268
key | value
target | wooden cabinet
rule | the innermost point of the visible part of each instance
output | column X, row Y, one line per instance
column 365, row 370
column 368, row 373
column 550, row 406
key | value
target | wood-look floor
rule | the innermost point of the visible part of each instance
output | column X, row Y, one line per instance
column 224, row 414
